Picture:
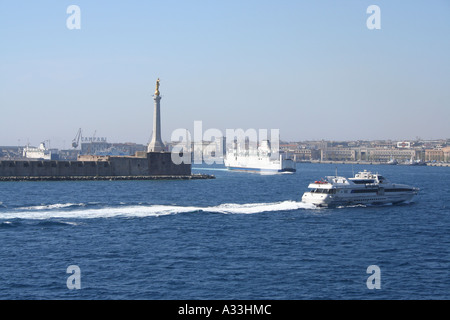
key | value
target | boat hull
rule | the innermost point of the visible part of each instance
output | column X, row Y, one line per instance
column 333, row 201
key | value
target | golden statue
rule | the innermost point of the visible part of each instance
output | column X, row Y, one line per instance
column 157, row 88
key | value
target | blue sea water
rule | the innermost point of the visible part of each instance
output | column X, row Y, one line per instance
column 240, row 236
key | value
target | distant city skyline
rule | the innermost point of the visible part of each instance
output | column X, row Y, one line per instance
column 311, row 69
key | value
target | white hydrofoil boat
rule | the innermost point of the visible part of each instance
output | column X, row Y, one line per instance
column 364, row 188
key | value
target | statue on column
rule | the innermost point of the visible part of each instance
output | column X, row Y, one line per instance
column 157, row 88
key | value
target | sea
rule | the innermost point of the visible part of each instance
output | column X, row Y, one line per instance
column 240, row 236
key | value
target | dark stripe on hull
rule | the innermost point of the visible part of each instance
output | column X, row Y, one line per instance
column 259, row 170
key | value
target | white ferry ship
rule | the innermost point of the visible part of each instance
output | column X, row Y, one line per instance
column 364, row 188
column 260, row 161
column 41, row 153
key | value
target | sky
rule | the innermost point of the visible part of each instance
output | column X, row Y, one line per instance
column 312, row 69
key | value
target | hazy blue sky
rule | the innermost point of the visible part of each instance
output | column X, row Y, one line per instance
column 309, row 68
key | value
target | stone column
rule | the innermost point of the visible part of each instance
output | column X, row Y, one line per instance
column 156, row 144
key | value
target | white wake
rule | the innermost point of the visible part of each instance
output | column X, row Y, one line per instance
column 54, row 211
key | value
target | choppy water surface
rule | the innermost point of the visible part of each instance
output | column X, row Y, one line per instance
column 240, row 236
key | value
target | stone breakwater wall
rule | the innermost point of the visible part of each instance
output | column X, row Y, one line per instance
column 108, row 178
column 107, row 168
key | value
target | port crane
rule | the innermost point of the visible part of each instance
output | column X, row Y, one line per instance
column 76, row 140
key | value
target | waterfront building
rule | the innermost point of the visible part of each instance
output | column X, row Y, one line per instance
column 438, row 154
column 385, row 155
column 11, row 152
column 338, row 154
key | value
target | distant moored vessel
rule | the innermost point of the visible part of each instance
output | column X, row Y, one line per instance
column 260, row 160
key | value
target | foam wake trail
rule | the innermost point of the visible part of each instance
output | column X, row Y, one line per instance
column 53, row 206
column 251, row 208
column 45, row 212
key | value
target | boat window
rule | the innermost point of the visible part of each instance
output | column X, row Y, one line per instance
column 398, row 190
column 363, row 181
column 364, row 190
column 324, row 191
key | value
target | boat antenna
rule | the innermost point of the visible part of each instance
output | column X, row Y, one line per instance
column 353, row 171
column 336, row 171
